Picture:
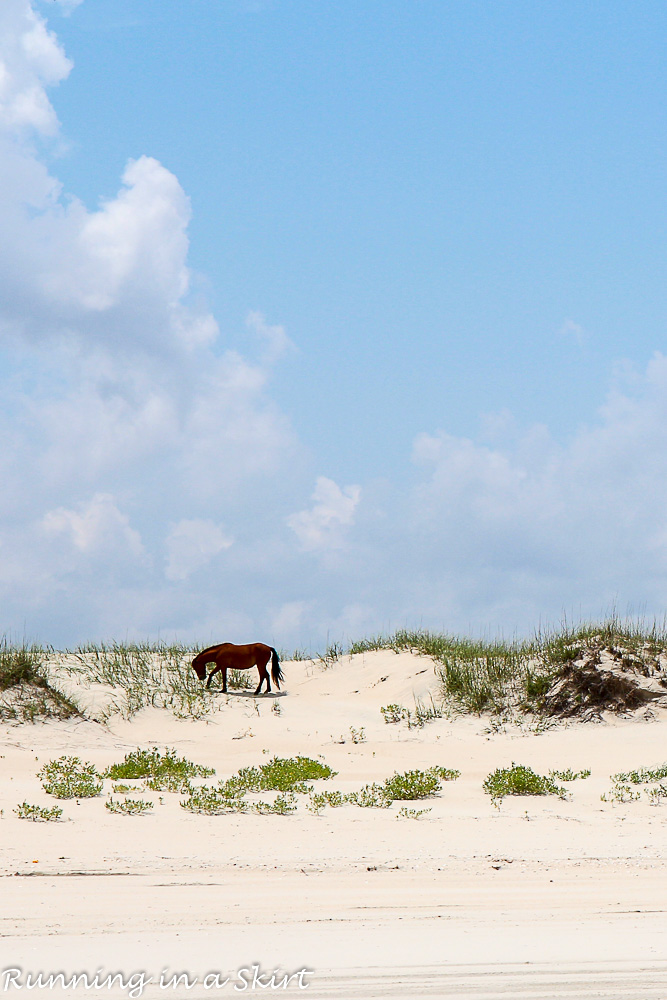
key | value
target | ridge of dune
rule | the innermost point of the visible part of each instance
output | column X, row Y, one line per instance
column 466, row 882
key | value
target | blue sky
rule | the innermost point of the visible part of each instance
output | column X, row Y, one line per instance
column 369, row 335
column 424, row 193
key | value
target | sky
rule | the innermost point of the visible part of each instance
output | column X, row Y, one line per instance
column 323, row 319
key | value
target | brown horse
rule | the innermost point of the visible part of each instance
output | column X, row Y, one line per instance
column 227, row 656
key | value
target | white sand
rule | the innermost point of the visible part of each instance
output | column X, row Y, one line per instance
column 539, row 898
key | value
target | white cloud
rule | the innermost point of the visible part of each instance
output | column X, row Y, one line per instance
column 30, row 60
column 542, row 528
column 322, row 527
column 191, row 545
column 129, row 436
column 113, row 385
column 132, row 250
column 96, row 526
column 274, row 338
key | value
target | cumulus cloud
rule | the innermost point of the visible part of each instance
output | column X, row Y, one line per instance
column 113, row 384
column 130, row 251
column 191, row 544
column 545, row 528
column 30, row 60
column 322, row 526
column 95, row 527
column 138, row 451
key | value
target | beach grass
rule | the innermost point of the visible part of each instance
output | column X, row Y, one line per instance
column 511, row 676
column 25, row 692
column 503, row 677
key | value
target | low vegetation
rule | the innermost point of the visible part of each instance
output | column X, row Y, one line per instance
column 25, row 693
column 552, row 674
column 282, row 805
column 38, row 814
column 642, row 775
column 70, row 778
column 214, row 801
column 163, row 771
column 411, row 785
column 520, row 780
column 283, row 774
column 287, row 775
column 128, row 807
column 569, row 775
column 405, row 813
column 625, row 785
column 414, row 718
column 507, row 678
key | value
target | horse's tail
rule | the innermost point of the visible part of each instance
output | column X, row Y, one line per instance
column 276, row 673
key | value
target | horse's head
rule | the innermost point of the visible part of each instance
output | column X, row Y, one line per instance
column 199, row 668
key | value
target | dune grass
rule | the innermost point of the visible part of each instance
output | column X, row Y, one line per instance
column 152, row 674
column 20, row 665
column 146, row 674
column 508, row 676
column 499, row 676
column 475, row 675
column 25, row 693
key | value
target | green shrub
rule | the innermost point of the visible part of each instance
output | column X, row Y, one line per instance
column 38, row 814
column 410, row 785
column 519, row 780
column 394, row 713
column 622, row 790
column 621, row 793
column 371, row 796
column 282, row 774
column 405, row 813
column 282, row 805
column 569, row 775
column 70, row 778
column 166, row 771
column 642, row 775
column 128, row 807
column 319, row 800
column 417, row 784
column 656, row 794
column 214, row 801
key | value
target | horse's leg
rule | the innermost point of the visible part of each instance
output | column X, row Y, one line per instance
column 211, row 675
column 263, row 675
column 224, row 678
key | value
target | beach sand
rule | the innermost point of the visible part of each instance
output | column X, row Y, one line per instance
column 539, row 898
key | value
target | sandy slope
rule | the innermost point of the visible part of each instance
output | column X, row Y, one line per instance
column 540, row 898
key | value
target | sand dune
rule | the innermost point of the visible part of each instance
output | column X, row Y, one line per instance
column 542, row 897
